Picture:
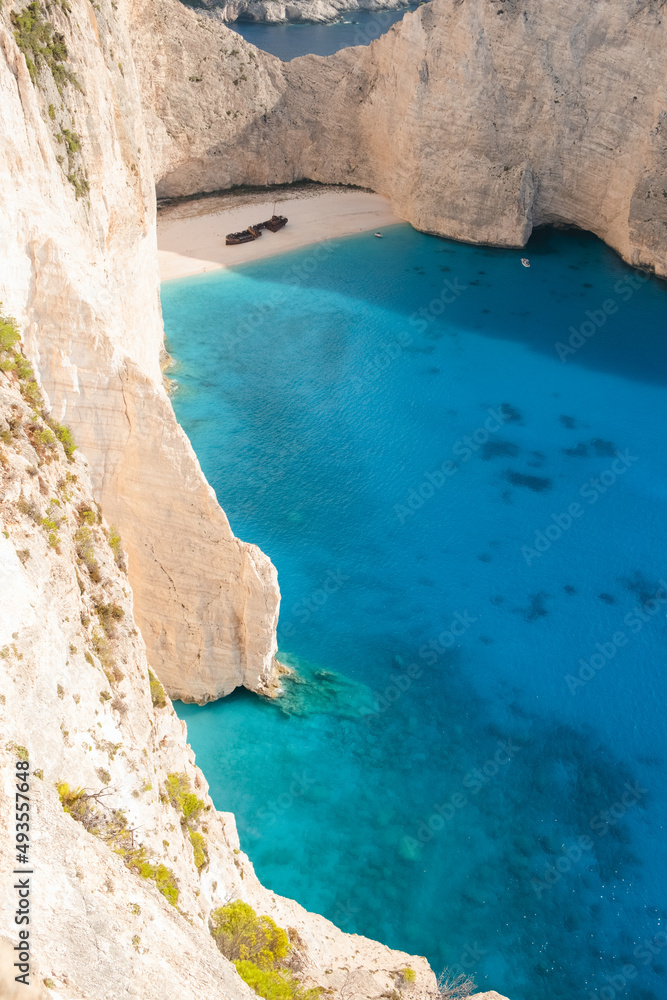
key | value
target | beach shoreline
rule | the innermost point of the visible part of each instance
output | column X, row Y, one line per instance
column 191, row 233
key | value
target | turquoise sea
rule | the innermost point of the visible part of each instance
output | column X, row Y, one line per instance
column 457, row 465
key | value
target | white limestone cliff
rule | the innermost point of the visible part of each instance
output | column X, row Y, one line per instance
column 80, row 273
column 75, row 698
column 479, row 119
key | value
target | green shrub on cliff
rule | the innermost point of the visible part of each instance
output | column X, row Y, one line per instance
column 158, row 696
column 164, row 878
column 199, row 850
column 274, row 984
column 260, row 950
column 116, row 546
column 178, row 791
column 241, row 935
column 64, row 435
column 111, row 826
column 9, row 336
column 11, row 359
column 85, row 550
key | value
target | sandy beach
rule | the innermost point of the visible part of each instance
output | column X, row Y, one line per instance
column 191, row 234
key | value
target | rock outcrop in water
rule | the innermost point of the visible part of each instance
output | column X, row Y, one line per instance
column 479, row 119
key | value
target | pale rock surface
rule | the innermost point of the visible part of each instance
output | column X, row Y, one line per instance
column 480, row 120
column 80, row 704
column 284, row 11
column 82, row 277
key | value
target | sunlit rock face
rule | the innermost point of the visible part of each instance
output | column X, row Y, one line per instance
column 78, row 268
column 479, row 120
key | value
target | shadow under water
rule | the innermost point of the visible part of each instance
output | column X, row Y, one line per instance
column 469, row 536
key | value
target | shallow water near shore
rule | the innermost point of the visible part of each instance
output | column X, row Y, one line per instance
column 468, row 525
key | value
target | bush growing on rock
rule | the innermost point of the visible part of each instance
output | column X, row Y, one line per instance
column 260, row 951
column 116, row 546
column 158, row 696
column 455, row 986
column 111, row 826
column 41, row 45
column 85, row 550
column 274, row 984
column 178, row 791
column 241, row 935
column 199, row 849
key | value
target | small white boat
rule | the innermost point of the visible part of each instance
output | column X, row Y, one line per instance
column 525, row 262
column 379, row 235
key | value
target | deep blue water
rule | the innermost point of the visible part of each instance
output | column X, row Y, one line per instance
column 469, row 535
column 289, row 40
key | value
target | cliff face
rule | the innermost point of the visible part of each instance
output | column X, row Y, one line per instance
column 127, row 880
column 78, row 267
column 480, row 120
column 76, row 699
